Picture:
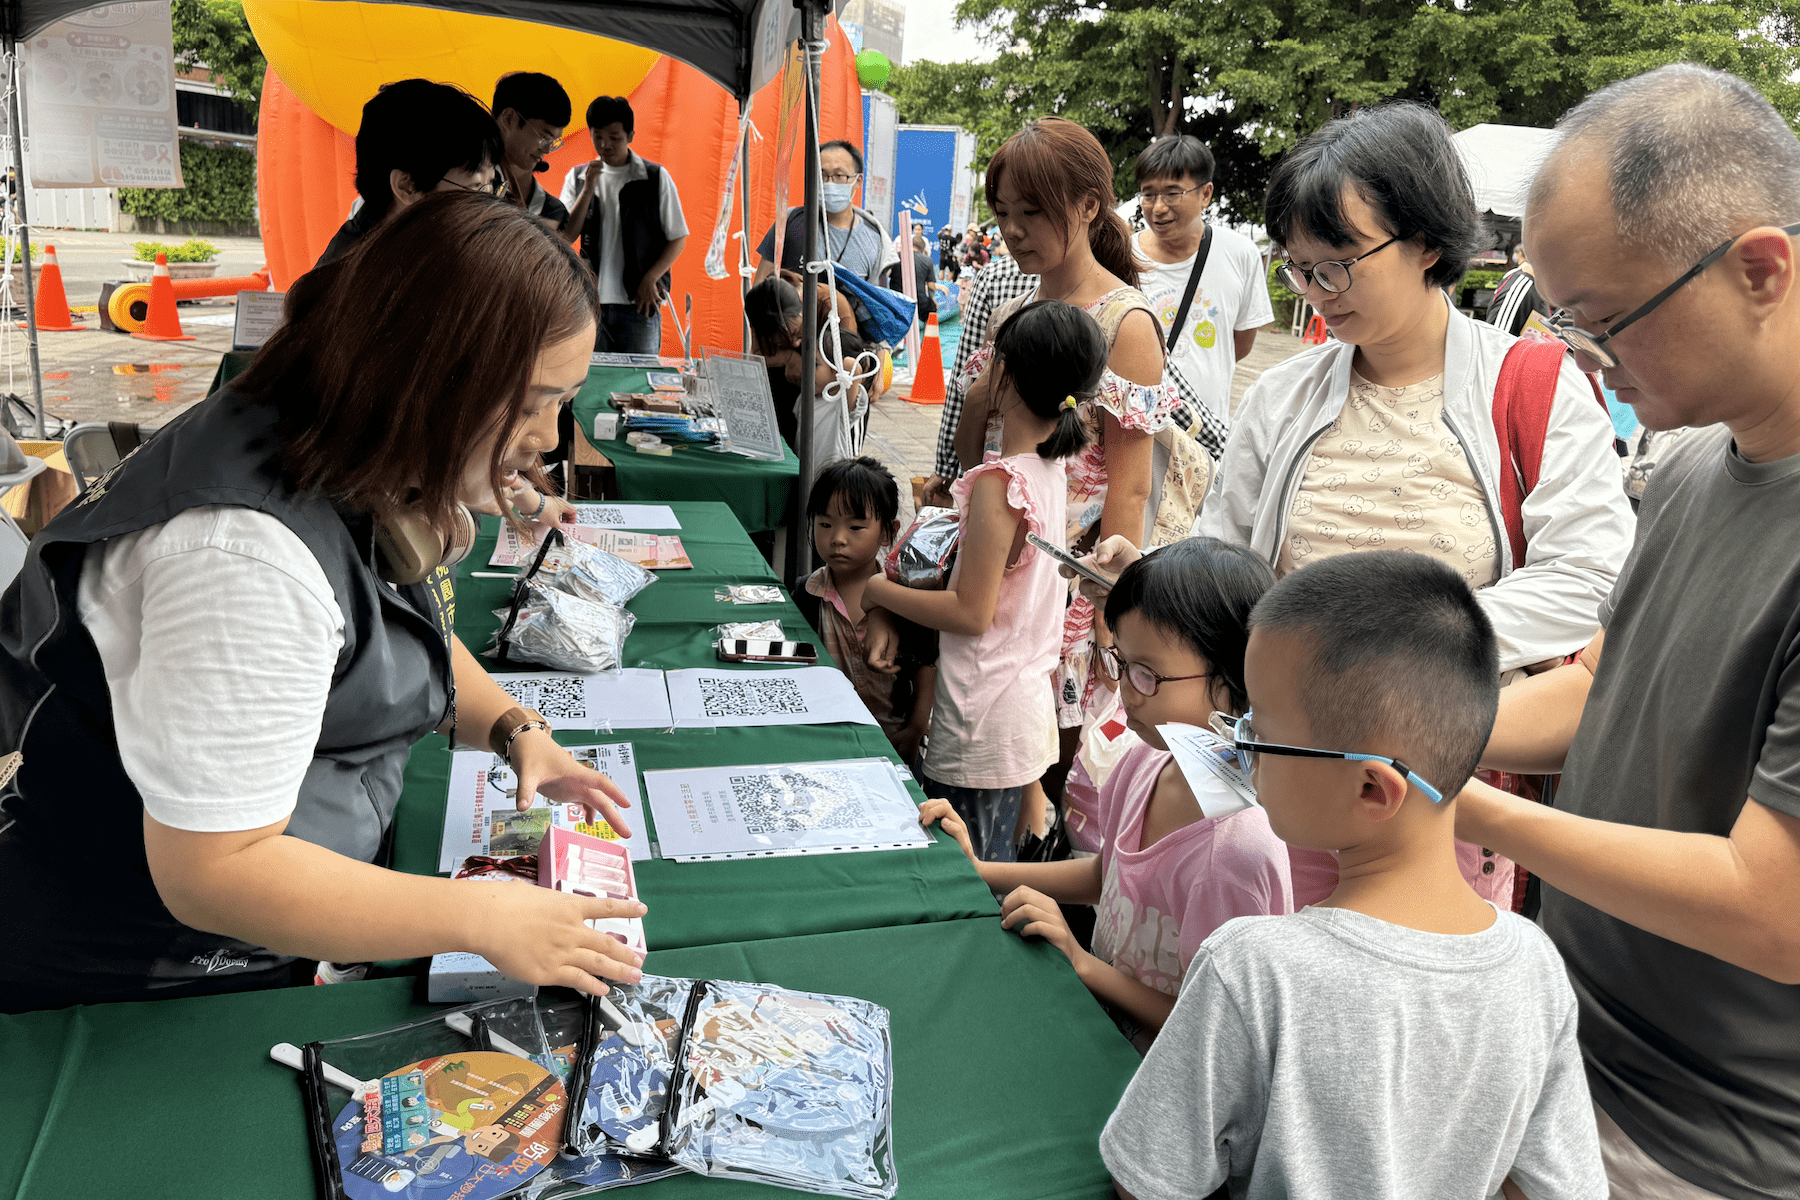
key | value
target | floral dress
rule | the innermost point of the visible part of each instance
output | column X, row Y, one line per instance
column 1144, row 408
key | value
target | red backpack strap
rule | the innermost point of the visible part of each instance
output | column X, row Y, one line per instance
column 1523, row 397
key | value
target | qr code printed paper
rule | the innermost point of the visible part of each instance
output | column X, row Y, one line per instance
column 795, row 802
column 599, row 514
column 558, row 697
column 750, row 696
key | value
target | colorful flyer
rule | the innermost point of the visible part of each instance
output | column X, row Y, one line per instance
column 472, row 1125
column 481, row 818
column 653, row 552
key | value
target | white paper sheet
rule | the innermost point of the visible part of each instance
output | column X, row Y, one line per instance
column 634, row 698
column 1209, row 764
column 708, row 813
column 709, row 698
column 482, row 785
column 627, row 516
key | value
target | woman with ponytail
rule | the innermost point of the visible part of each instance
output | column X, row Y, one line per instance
column 993, row 727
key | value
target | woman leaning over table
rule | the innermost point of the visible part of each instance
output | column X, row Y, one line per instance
column 216, row 663
column 1384, row 438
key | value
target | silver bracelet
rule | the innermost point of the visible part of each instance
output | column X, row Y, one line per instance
column 543, row 503
column 506, row 750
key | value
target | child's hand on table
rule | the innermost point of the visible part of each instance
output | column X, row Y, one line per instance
column 537, row 936
column 940, row 811
column 1032, row 914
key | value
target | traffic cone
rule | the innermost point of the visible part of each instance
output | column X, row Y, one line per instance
column 928, row 375
column 53, row 314
column 164, row 323
column 1315, row 331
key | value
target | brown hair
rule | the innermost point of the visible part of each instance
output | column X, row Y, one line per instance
column 398, row 359
column 1055, row 165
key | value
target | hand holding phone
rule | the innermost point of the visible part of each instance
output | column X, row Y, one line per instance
column 1074, row 564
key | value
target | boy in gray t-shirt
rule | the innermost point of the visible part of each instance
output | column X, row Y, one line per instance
column 1403, row 1039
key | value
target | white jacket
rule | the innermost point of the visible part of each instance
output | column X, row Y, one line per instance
column 1578, row 523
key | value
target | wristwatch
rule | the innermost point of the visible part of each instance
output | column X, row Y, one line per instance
column 511, row 724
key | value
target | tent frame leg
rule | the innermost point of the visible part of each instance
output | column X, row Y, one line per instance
column 812, row 32
column 16, row 121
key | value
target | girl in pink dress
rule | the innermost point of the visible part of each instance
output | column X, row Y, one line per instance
column 993, row 725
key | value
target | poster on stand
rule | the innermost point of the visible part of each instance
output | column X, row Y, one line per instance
column 100, row 100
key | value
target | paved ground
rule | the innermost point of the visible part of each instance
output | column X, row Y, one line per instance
column 89, row 259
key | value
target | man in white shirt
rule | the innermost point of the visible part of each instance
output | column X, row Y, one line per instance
column 632, row 230
column 1208, row 334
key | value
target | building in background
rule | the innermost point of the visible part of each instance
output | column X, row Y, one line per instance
column 875, row 25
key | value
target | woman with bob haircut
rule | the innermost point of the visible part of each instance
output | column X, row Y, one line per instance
column 239, row 633
column 1051, row 189
column 1384, row 437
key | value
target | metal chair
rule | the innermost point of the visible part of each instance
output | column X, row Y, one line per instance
column 95, row 447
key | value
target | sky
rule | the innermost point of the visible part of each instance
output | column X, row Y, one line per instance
column 931, row 33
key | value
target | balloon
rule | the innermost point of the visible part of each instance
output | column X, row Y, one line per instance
column 873, row 69
column 334, row 54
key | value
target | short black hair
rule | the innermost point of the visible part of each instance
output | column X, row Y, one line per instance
column 1202, row 591
column 607, row 109
column 425, row 129
column 1400, row 159
column 869, row 490
column 1051, row 352
column 847, row 148
column 1399, row 651
column 534, row 96
column 1173, row 157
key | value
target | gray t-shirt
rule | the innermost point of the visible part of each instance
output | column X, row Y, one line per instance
column 1328, row 1055
column 1696, row 705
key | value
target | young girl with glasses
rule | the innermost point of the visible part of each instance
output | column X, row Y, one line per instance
column 1166, row 875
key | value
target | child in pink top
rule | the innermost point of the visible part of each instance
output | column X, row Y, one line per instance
column 1166, row 875
column 993, row 722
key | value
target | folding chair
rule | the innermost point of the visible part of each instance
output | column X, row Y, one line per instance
column 95, row 447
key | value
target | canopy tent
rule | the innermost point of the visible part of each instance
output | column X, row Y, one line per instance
column 1500, row 160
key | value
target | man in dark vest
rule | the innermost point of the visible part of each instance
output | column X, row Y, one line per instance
column 632, row 230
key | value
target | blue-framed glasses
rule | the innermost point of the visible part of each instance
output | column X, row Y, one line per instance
column 1240, row 733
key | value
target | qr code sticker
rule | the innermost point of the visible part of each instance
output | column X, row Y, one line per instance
column 750, row 696
column 599, row 515
column 795, row 802
column 558, row 697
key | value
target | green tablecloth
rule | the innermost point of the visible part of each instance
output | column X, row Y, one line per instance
column 757, row 491
column 1004, row 1072
column 693, row 904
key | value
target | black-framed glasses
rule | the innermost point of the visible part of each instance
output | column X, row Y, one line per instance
column 1149, row 198
column 842, row 177
column 492, row 187
column 1240, row 733
column 1142, row 679
column 1593, row 345
column 1331, row 276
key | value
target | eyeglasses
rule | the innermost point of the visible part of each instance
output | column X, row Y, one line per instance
column 1149, row 198
column 1240, row 734
column 1593, row 345
column 1332, row 277
column 841, row 177
column 1142, row 679
column 491, row 188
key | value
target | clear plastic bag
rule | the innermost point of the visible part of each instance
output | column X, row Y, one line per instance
column 748, row 593
column 923, row 556
column 749, row 631
column 563, row 631
column 593, row 574
column 787, row 1088
column 633, row 1034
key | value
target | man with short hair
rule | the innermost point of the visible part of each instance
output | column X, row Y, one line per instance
column 1205, row 282
column 532, row 111
column 628, row 213
column 856, row 241
column 1663, row 228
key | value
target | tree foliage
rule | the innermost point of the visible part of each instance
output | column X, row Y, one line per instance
column 1251, row 77
column 214, row 35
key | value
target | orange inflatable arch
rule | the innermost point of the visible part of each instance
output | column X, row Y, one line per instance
column 306, row 172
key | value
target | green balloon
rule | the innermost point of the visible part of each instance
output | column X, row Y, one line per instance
column 873, row 69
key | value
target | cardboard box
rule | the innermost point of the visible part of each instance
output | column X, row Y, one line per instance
column 459, row 977
column 584, row 865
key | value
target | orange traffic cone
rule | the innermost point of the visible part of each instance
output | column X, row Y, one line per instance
column 164, row 323
column 1315, row 331
column 53, row 314
column 928, row 375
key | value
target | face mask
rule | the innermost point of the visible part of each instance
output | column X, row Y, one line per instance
column 836, row 196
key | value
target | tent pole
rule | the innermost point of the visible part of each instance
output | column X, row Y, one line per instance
column 743, row 202
column 15, row 116
column 812, row 30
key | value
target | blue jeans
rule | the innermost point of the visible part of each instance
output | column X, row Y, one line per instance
column 625, row 330
column 991, row 814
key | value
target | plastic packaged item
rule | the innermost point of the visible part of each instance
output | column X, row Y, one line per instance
column 731, row 631
column 922, row 557
column 786, row 1088
column 630, row 1040
column 557, row 629
column 748, row 593
column 593, row 574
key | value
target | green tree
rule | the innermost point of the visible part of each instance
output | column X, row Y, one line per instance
column 1251, row 77
column 214, row 35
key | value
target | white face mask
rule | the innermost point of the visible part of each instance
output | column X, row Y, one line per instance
column 836, row 196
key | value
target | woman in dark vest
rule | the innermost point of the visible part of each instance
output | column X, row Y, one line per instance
column 216, row 663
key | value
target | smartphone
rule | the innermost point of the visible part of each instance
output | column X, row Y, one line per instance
column 756, row 650
column 1070, row 561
